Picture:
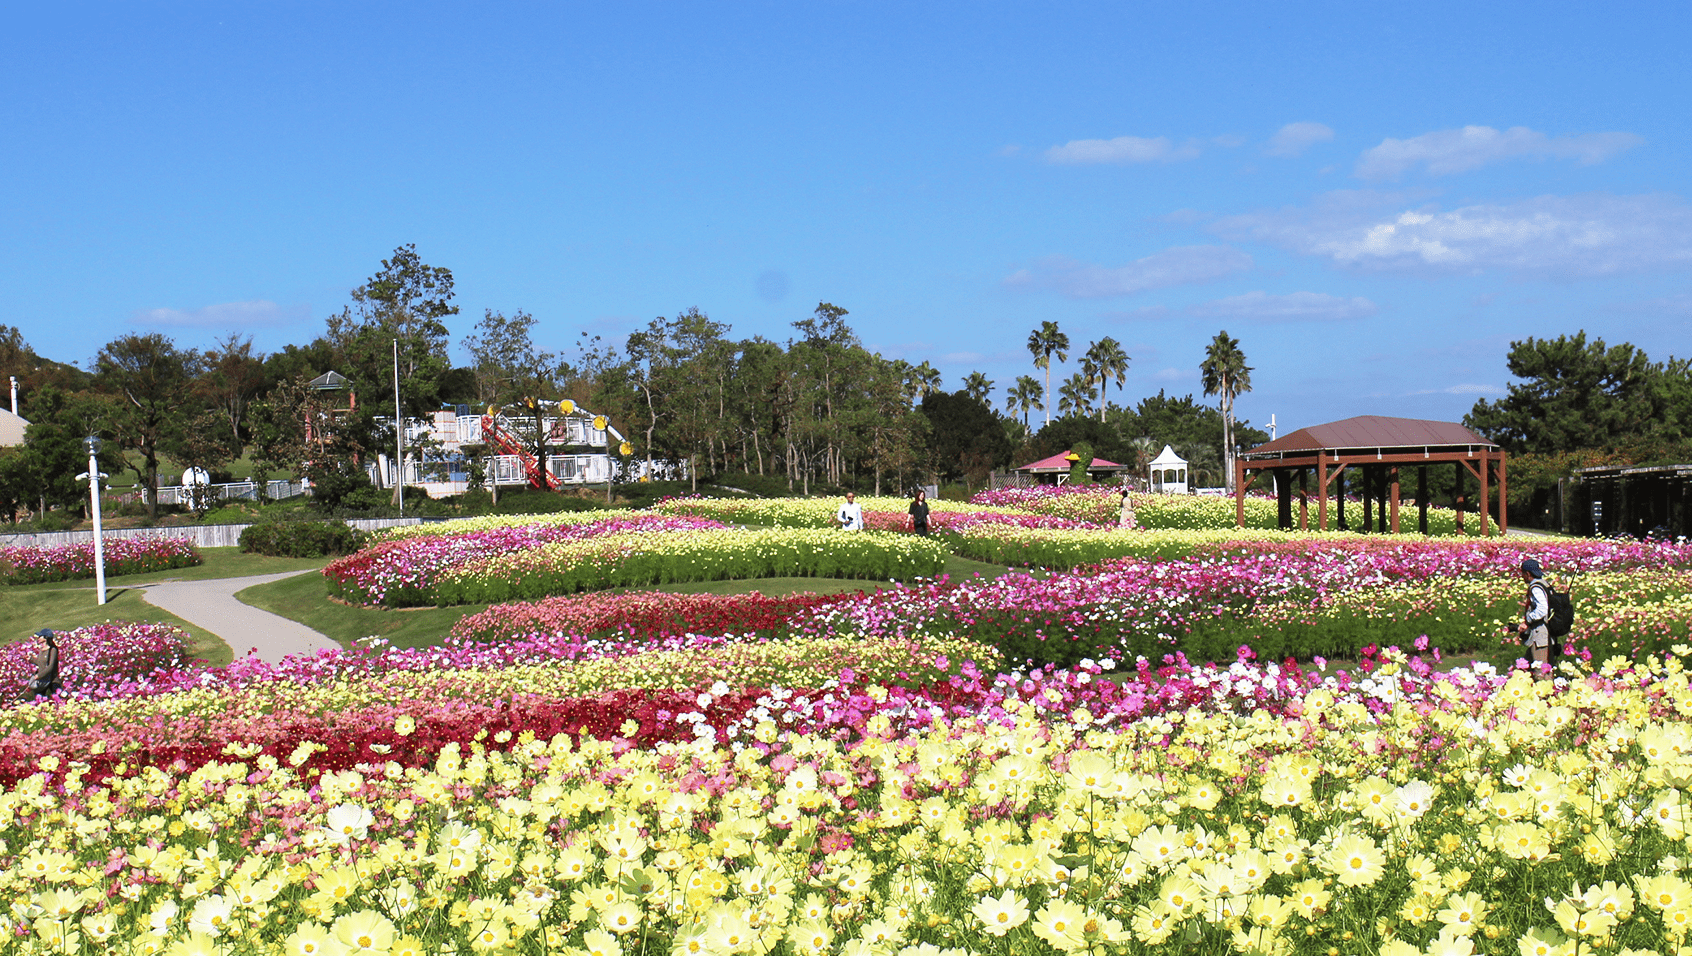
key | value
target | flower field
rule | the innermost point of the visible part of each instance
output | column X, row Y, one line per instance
column 72, row 561
column 469, row 563
column 1144, row 750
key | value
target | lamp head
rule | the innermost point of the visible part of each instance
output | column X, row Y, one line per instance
column 93, row 443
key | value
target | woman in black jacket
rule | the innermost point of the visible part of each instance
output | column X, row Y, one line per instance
column 919, row 512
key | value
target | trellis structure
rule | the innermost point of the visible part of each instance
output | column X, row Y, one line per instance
column 1375, row 449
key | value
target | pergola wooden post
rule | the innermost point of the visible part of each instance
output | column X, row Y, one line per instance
column 1457, row 496
column 1303, row 500
column 1380, row 447
column 1322, row 492
column 1394, row 476
column 1422, row 498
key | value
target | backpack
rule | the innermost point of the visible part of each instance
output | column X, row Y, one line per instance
column 1561, row 619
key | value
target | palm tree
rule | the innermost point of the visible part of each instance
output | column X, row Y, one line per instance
column 1024, row 395
column 923, row 380
column 978, row 386
column 1043, row 343
column 1106, row 361
column 1076, row 395
column 1226, row 374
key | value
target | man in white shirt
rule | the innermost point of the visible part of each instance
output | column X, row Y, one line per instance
column 851, row 515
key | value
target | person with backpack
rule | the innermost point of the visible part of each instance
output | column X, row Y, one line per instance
column 1546, row 614
column 46, row 681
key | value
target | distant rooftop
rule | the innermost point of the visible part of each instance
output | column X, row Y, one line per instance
column 1372, row 432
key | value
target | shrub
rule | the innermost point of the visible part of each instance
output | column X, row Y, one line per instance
column 301, row 539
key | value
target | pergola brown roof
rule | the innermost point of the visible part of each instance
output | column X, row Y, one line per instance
column 1371, row 433
column 1376, row 446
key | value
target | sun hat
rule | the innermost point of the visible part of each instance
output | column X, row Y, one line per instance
column 1531, row 567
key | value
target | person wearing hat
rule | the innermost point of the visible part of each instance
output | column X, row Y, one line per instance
column 1534, row 632
column 45, row 683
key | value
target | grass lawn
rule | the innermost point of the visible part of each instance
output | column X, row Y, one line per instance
column 305, row 599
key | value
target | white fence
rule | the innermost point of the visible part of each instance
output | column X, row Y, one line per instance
column 233, row 491
column 203, row 535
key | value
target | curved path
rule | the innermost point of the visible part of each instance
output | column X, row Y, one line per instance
column 212, row 605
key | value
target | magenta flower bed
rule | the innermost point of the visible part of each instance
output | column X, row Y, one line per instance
column 102, row 661
column 402, row 571
column 73, row 561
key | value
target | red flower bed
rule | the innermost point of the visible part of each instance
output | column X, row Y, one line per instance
column 647, row 614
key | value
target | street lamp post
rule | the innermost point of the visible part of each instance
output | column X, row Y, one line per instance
column 93, row 475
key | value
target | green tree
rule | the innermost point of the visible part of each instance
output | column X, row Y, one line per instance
column 152, row 381
column 1576, row 394
column 978, row 386
column 1106, row 362
column 395, row 328
column 43, row 472
column 1077, row 394
column 922, row 381
column 1225, row 373
column 965, row 438
column 233, row 376
column 1043, row 343
column 1025, row 395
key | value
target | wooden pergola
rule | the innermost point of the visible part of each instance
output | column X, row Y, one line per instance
column 1376, row 449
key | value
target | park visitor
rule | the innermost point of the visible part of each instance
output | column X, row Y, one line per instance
column 1535, row 630
column 851, row 515
column 45, row 683
column 919, row 512
column 1125, row 517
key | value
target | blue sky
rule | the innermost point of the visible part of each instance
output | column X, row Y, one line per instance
column 1374, row 199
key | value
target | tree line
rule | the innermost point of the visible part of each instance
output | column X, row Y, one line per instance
column 818, row 407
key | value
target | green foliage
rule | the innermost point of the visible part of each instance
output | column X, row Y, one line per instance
column 1083, row 452
column 965, row 437
column 1576, row 395
column 301, row 539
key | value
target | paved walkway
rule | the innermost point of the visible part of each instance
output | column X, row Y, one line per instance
column 212, row 605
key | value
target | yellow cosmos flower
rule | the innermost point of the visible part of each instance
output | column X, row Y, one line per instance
column 365, row 931
column 1355, row 860
column 1001, row 914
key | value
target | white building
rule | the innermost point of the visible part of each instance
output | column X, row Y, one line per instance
column 1168, row 473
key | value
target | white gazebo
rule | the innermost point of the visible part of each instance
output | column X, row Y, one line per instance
column 1168, row 473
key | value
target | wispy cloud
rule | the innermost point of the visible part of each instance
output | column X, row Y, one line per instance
column 1122, row 149
column 1178, row 266
column 1448, row 151
column 1292, row 307
column 225, row 315
column 1551, row 236
column 1294, row 138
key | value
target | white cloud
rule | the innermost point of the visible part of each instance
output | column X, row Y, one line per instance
column 1177, row 266
column 226, row 315
column 1122, row 149
column 1009, row 149
column 961, row 358
column 1173, row 375
column 1448, row 151
column 1292, row 307
column 1294, row 138
column 1555, row 236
